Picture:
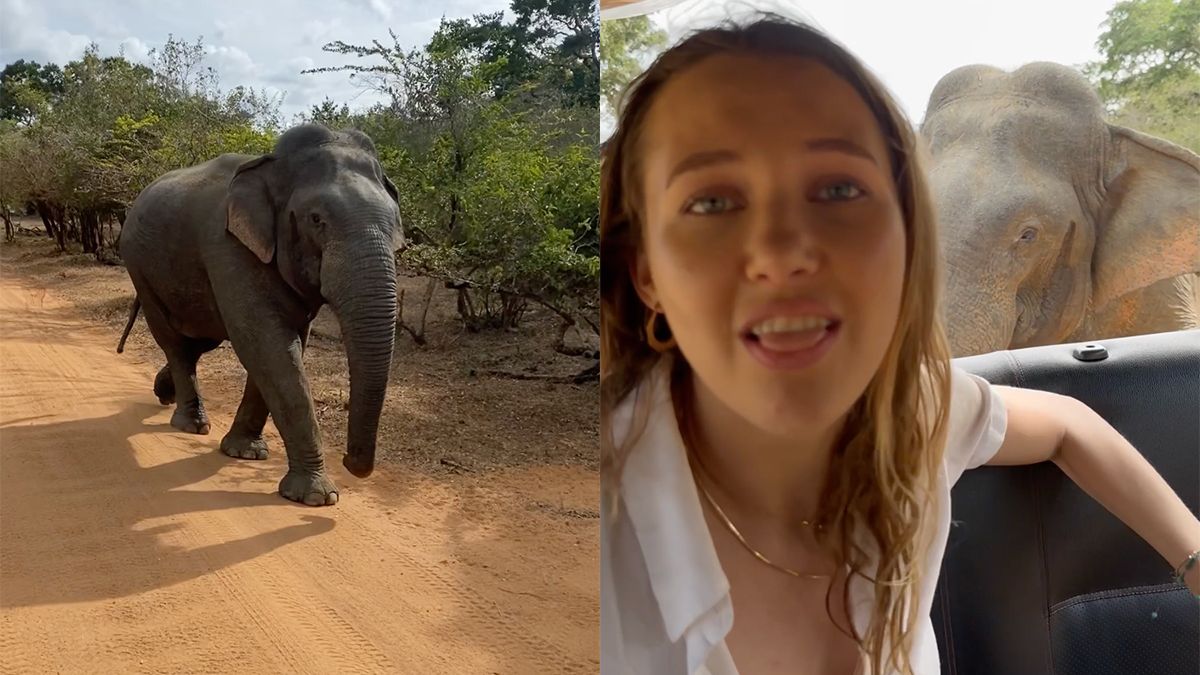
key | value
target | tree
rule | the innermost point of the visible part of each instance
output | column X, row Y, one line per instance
column 1149, row 76
column 204, row 121
column 500, row 173
column 328, row 113
column 549, row 48
column 114, row 127
column 438, row 93
column 490, row 40
column 566, row 34
column 623, row 45
column 27, row 89
column 14, row 186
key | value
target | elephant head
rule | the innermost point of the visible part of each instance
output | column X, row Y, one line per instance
column 320, row 209
column 1047, row 212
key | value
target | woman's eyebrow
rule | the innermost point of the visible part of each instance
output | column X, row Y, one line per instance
column 841, row 145
column 701, row 159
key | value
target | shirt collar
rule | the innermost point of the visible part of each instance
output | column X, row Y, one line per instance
column 663, row 504
column 664, row 507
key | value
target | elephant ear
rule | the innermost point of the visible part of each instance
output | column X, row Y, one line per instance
column 399, row 242
column 391, row 188
column 250, row 214
column 1150, row 229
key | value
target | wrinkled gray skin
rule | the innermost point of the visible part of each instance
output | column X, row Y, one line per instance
column 247, row 249
column 1056, row 226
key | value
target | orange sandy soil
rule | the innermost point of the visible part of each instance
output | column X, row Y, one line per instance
column 126, row 546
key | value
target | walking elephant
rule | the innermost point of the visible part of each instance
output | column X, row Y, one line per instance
column 1056, row 226
column 247, row 249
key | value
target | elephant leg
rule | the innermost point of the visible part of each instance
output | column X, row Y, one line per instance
column 182, row 355
column 164, row 386
column 190, row 415
column 272, row 354
column 244, row 440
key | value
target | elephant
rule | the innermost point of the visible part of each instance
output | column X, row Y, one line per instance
column 247, row 249
column 1055, row 225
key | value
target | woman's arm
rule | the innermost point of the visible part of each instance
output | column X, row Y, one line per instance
column 1048, row 427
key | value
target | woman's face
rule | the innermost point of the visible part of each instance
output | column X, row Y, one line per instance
column 773, row 240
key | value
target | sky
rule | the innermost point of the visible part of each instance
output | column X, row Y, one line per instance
column 256, row 43
column 266, row 43
column 911, row 44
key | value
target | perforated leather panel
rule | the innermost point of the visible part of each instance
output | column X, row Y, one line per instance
column 1038, row 577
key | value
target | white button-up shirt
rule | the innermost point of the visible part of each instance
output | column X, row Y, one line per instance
column 665, row 607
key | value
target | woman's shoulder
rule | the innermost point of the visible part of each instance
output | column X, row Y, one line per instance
column 652, row 391
column 976, row 423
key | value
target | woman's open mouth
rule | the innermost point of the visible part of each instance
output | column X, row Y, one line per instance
column 790, row 343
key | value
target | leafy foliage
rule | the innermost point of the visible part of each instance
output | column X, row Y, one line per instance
column 489, row 132
column 623, row 43
column 491, row 142
column 106, row 127
column 27, row 89
column 1149, row 77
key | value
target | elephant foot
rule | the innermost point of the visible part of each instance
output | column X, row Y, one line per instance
column 164, row 386
column 308, row 488
column 244, row 447
column 191, row 419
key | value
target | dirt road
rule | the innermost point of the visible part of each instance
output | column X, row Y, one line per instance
column 126, row 546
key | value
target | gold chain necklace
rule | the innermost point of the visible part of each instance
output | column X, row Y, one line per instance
column 738, row 535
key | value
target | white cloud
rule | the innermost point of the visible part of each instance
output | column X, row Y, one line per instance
column 315, row 33
column 288, row 74
column 14, row 15
column 103, row 23
column 382, row 9
column 58, row 46
column 379, row 8
column 300, row 63
column 231, row 62
column 135, row 50
column 24, row 34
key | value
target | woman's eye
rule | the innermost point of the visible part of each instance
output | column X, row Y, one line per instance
column 704, row 206
column 841, row 192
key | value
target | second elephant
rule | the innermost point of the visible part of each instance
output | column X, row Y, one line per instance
column 1057, row 226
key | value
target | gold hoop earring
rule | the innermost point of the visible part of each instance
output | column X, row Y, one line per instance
column 657, row 344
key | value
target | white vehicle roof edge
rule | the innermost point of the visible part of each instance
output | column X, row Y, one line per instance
column 631, row 9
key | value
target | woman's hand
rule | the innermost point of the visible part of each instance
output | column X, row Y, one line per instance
column 1192, row 579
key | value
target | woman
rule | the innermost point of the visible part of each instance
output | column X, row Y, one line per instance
column 781, row 421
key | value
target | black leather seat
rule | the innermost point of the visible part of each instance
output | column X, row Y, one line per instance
column 1038, row 577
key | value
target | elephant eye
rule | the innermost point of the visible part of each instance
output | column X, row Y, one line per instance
column 1028, row 234
column 315, row 218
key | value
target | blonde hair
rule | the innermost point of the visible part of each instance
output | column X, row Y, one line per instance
column 888, row 453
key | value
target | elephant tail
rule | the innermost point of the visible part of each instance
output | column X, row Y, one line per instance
column 133, row 312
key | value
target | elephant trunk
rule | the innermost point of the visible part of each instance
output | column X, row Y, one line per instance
column 363, row 295
column 979, row 315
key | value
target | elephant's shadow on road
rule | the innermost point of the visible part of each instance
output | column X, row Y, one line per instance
column 82, row 520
